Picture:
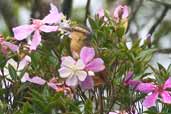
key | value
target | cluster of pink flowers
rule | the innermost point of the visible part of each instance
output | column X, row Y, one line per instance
column 80, row 71
column 120, row 13
column 48, row 24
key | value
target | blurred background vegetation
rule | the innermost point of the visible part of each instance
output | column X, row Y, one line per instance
column 146, row 17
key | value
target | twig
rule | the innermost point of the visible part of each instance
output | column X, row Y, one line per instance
column 87, row 11
column 134, row 14
column 101, row 100
column 159, row 20
column 164, row 51
column 161, row 3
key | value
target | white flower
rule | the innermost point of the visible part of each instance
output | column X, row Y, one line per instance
column 72, row 70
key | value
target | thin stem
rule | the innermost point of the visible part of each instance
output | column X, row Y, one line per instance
column 87, row 11
column 159, row 20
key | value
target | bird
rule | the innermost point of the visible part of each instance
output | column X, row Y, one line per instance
column 80, row 37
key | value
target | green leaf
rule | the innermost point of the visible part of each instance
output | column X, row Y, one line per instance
column 12, row 72
column 2, row 61
column 120, row 32
column 88, row 107
column 93, row 23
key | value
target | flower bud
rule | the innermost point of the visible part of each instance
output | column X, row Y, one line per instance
column 120, row 13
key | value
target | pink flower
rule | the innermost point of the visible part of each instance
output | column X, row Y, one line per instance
column 121, row 12
column 39, row 81
column 54, row 16
column 92, row 64
column 7, row 45
column 72, row 70
column 23, row 31
column 155, row 91
column 87, row 84
column 101, row 14
column 35, row 79
column 129, row 81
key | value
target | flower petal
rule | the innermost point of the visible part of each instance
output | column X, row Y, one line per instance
column 145, row 87
column 116, row 11
column 100, row 13
column 68, row 61
column 72, row 81
column 114, row 112
column 167, row 84
column 150, row 100
column 46, row 28
column 81, row 75
column 87, row 84
column 125, row 12
column 37, row 80
column 65, row 72
column 24, row 62
column 128, row 77
column 25, row 78
column 36, row 40
column 91, row 73
column 96, row 65
column 12, row 47
column 52, row 85
column 87, row 54
column 133, row 83
column 120, row 12
column 54, row 16
column 166, row 97
column 80, row 64
column 23, row 31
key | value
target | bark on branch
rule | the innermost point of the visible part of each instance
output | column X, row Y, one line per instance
column 164, row 51
column 87, row 11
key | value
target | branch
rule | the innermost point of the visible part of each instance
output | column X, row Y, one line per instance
column 161, row 3
column 159, row 20
column 164, row 51
column 87, row 11
column 134, row 14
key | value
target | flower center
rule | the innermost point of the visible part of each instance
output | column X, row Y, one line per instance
column 37, row 23
column 160, row 88
column 74, row 69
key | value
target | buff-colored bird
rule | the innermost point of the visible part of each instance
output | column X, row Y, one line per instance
column 80, row 37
